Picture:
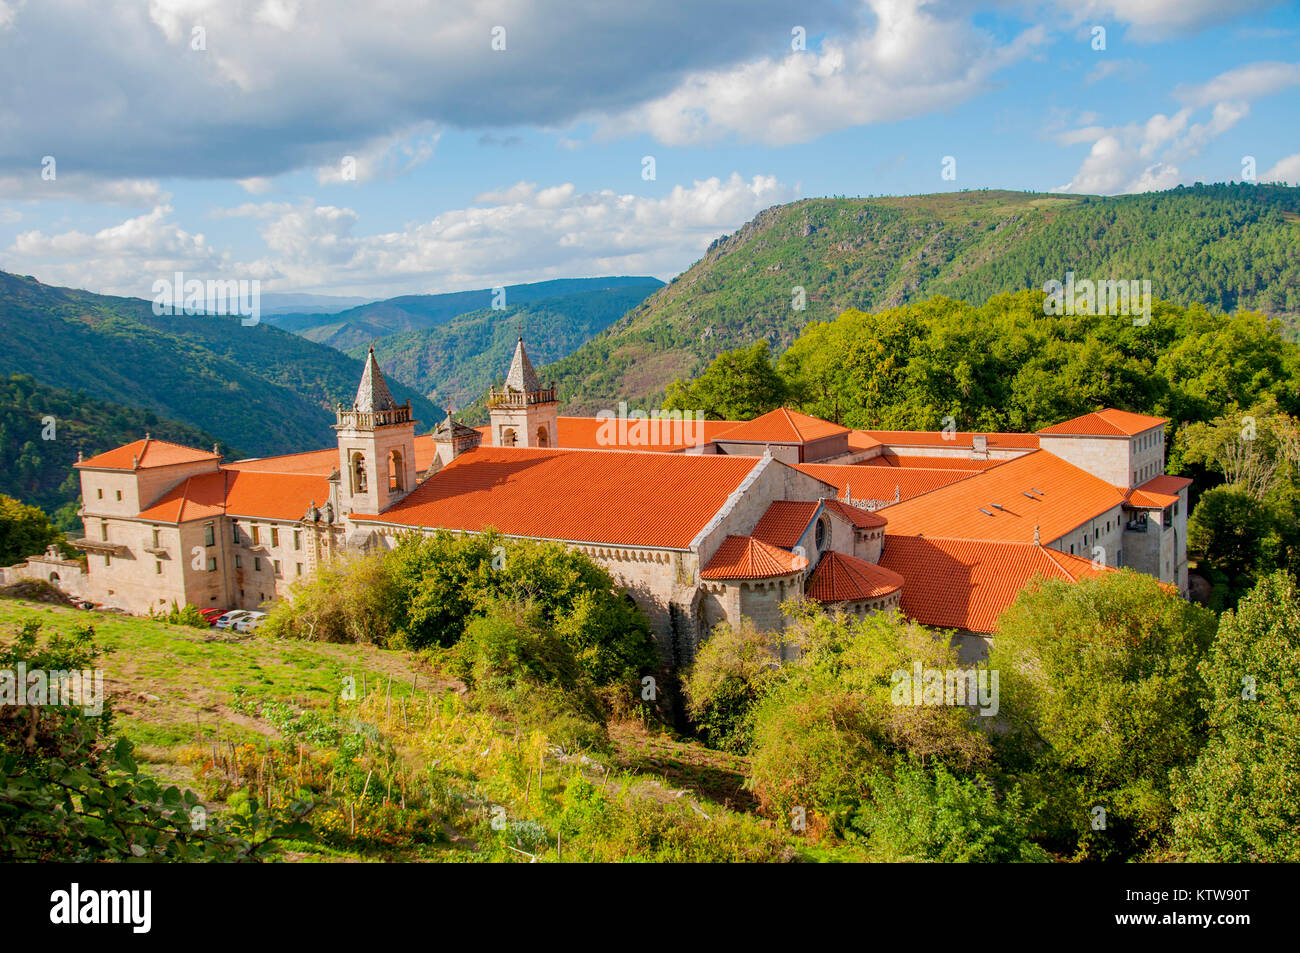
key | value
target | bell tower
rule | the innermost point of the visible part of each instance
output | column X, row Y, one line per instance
column 524, row 414
column 376, row 438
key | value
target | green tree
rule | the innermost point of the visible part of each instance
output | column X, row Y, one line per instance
column 25, row 531
column 738, row 385
column 1241, row 800
column 1099, row 685
column 1229, row 528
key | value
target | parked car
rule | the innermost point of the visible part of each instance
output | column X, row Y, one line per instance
column 250, row 621
column 212, row 615
column 226, row 620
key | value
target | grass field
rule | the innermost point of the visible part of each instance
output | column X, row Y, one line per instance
column 412, row 767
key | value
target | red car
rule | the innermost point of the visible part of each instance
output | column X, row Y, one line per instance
column 212, row 615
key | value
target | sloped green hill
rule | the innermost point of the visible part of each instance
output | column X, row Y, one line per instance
column 457, row 361
column 1226, row 246
column 43, row 428
column 258, row 388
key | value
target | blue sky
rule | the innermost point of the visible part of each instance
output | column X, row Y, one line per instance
column 211, row 136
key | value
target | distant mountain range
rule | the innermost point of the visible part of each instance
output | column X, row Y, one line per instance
column 259, row 389
column 1223, row 246
column 276, row 302
column 368, row 323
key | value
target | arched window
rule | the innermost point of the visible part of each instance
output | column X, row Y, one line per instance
column 823, row 533
column 508, row 437
column 541, row 437
column 396, row 479
column 358, row 473
column 54, row 577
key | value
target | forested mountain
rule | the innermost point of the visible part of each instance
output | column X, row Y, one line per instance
column 43, row 428
column 358, row 327
column 457, row 361
column 1226, row 246
column 258, row 388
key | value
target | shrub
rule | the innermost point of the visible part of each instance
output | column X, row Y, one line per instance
column 351, row 600
column 733, row 670
column 830, row 722
column 920, row 814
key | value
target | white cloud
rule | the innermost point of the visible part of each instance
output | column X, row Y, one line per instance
column 387, row 156
column 909, row 62
column 79, row 187
column 1145, row 156
column 1252, row 81
column 9, row 12
column 519, row 233
column 8, row 216
column 1160, row 18
column 257, row 185
column 283, row 85
column 1286, row 171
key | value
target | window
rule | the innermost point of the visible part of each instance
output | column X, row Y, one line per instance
column 823, row 530
column 396, row 475
column 100, row 492
column 103, row 530
column 108, row 560
column 1072, row 549
column 297, row 539
column 275, row 536
column 157, row 567
column 358, row 473
column 119, row 496
column 276, row 564
column 234, row 533
column 210, row 534
column 156, row 536
column 257, row 534
column 257, row 563
column 299, row 569
column 212, row 564
column 239, row 562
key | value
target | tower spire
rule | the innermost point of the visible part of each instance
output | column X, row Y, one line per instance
column 373, row 393
column 521, row 376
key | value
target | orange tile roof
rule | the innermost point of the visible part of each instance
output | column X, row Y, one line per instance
column 781, row 426
column 966, row 584
column 859, row 440
column 277, row 496
column 1106, row 423
column 744, row 557
column 929, row 463
column 147, row 453
column 784, row 522
column 862, row 519
column 841, row 578
column 1159, row 491
column 664, row 436
column 323, row 462
column 607, row 496
column 961, row 440
column 880, row 483
column 966, row 509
